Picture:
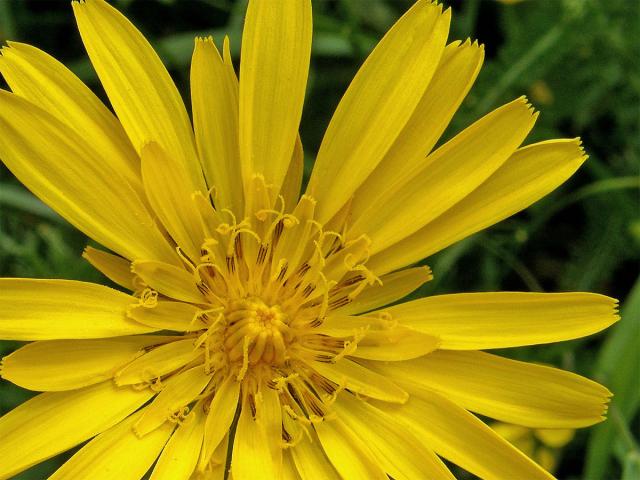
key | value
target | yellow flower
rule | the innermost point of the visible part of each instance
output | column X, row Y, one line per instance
column 541, row 444
column 257, row 327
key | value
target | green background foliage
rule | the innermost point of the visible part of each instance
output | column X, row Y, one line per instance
column 578, row 62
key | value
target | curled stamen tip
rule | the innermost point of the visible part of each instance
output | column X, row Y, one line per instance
column 224, row 229
column 385, row 317
column 149, row 298
column 289, row 221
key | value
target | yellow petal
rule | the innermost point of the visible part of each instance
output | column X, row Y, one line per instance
column 554, row 438
column 338, row 325
column 138, row 85
column 508, row 390
column 311, row 461
column 289, row 471
column 377, row 105
column 399, row 452
column 54, row 422
column 395, row 286
column 221, row 413
column 548, row 459
column 350, row 456
column 180, row 454
column 361, row 380
column 69, row 364
column 528, row 175
column 461, row 438
column 174, row 282
column 445, row 177
column 117, row 453
column 478, row 321
column 274, row 63
column 516, row 434
column 177, row 316
column 47, row 83
column 293, row 246
column 293, row 180
column 34, row 309
column 252, row 457
column 158, row 362
column 379, row 339
column 67, row 173
column 169, row 192
column 270, row 411
column 339, row 265
column 178, row 392
column 214, row 99
column 115, row 268
column 218, row 469
column 395, row 344
column 456, row 72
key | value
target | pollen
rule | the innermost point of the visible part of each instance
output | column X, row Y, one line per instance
column 269, row 281
column 257, row 331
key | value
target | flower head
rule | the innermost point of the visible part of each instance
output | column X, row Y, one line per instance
column 543, row 445
column 257, row 327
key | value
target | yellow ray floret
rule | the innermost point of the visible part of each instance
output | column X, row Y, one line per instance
column 264, row 334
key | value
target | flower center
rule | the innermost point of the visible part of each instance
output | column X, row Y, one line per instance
column 256, row 332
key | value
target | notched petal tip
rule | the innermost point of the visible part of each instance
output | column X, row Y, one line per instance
column 525, row 101
column 583, row 154
column 615, row 309
column 606, row 401
column 612, row 305
column 83, row 4
column 204, row 41
column 425, row 272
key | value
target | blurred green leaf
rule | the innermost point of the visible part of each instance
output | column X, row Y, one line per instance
column 7, row 23
column 18, row 197
column 631, row 467
column 618, row 367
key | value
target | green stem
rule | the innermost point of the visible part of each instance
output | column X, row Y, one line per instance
column 623, row 429
column 516, row 265
column 595, row 188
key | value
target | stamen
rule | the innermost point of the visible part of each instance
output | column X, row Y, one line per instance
column 149, row 298
column 269, row 280
column 186, row 261
column 245, row 361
